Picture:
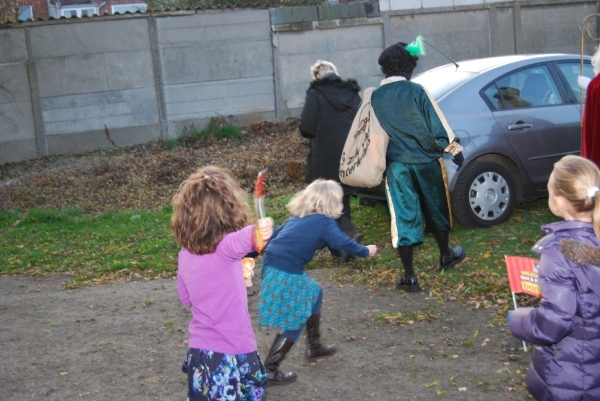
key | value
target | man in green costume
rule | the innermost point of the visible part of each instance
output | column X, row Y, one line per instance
column 415, row 187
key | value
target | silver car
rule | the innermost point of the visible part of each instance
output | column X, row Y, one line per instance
column 515, row 117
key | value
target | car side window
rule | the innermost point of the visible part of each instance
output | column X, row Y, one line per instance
column 571, row 71
column 493, row 97
column 532, row 87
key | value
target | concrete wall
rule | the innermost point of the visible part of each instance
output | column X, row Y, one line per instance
column 17, row 130
column 68, row 86
column 96, row 78
column 216, row 63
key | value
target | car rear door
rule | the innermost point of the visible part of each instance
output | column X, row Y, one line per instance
column 538, row 119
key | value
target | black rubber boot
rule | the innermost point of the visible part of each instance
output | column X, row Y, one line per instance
column 313, row 340
column 408, row 284
column 279, row 350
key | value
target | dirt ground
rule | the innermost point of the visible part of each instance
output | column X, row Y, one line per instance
column 126, row 342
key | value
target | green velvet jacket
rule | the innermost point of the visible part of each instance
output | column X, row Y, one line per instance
column 404, row 110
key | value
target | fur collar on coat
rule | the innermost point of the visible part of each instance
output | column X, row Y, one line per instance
column 580, row 253
column 335, row 81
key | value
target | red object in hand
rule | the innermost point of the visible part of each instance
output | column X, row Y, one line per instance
column 259, row 205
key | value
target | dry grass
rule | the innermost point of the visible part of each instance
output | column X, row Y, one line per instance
column 145, row 177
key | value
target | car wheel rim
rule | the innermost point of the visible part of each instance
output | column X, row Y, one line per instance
column 489, row 195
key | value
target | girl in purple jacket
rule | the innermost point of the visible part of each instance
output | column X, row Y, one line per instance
column 210, row 220
column 565, row 329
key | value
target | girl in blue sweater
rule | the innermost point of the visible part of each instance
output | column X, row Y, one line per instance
column 290, row 298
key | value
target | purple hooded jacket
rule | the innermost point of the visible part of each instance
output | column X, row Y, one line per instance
column 565, row 329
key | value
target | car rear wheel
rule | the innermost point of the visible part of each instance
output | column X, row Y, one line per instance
column 484, row 195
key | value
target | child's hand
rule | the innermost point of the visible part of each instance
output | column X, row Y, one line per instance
column 372, row 250
column 265, row 228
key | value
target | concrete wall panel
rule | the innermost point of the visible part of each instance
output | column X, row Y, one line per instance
column 76, row 37
column 14, row 83
column 217, row 61
column 89, row 112
column 17, row 128
column 214, row 46
column 16, row 121
column 188, row 36
column 564, row 35
column 12, row 46
column 353, row 50
column 459, row 35
column 503, row 41
column 201, row 100
column 95, row 72
column 214, row 18
column 93, row 140
column 128, row 70
column 17, row 151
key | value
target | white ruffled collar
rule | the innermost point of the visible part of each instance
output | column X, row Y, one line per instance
column 389, row 80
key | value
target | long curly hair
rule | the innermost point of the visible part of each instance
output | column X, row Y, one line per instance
column 404, row 68
column 208, row 206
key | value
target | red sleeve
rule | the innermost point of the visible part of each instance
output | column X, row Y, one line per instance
column 590, row 141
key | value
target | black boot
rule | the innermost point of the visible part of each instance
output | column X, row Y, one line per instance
column 456, row 256
column 313, row 339
column 279, row 350
column 408, row 283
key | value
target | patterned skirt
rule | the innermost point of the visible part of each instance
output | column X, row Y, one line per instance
column 286, row 300
column 213, row 376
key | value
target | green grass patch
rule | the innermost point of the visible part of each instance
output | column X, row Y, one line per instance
column 480, row 280
column 114, row 246
column 95, row 249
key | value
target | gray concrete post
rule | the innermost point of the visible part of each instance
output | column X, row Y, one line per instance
column 159, row 82
column 36, row 100
column 281, row 110
column 518, row 28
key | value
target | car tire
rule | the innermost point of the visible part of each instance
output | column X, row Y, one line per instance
column 484, row 195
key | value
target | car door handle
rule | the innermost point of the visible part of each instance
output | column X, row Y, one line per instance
column 518, row 126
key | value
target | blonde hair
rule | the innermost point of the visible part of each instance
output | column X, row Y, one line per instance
column 596, row 61
column 208, row 206
column 578, row 180
column 323, row 68
column 321, row 196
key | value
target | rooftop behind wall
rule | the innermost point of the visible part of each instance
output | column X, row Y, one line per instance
column 74, row 85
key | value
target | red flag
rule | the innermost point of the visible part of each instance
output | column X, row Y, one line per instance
column 522, row 275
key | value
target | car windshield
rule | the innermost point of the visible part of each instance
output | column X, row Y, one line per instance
column 442, row 80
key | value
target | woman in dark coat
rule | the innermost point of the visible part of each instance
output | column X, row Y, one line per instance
column 565, row 329
column 330, row 106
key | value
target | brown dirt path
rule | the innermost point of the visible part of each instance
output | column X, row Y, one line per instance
column 126, row 342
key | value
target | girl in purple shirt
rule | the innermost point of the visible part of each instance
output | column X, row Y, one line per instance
column 209, row 221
